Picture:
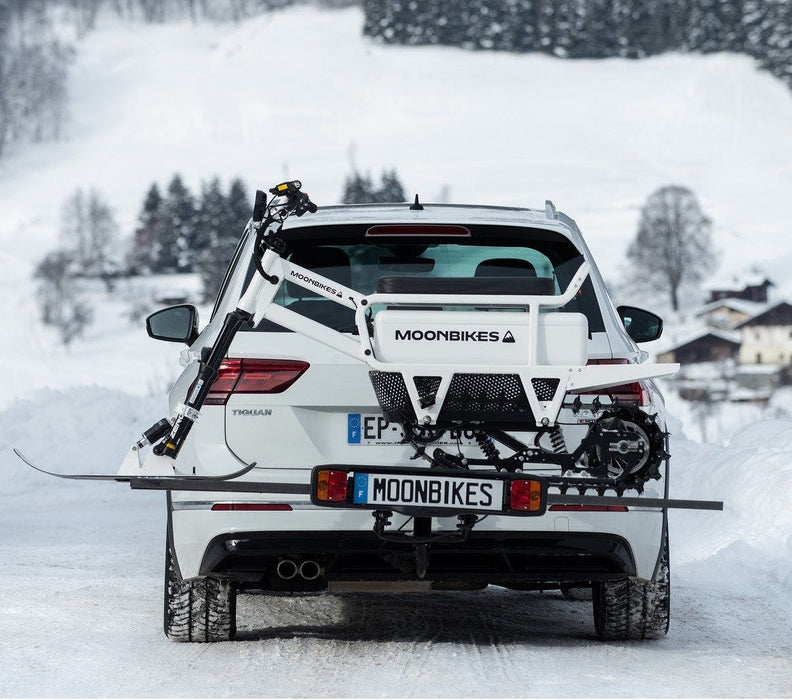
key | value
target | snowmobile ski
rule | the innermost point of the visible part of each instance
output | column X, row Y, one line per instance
column 128, row 478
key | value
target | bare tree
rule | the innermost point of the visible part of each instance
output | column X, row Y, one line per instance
column 88, row 234
column 60, row 304
column 673, row 244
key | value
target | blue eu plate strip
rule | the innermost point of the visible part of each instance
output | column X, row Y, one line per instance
column 361, row 489
column 353, row 428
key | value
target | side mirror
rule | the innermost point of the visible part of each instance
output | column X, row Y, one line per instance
column 642, row 326
column 176, row 324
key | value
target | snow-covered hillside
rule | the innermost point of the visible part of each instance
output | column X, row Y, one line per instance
column 293, row 92
column 288, row 94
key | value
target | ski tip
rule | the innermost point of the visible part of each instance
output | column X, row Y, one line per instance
column 19, row 454
column 83, row 477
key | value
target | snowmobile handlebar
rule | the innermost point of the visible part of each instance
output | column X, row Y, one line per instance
column 292, row 201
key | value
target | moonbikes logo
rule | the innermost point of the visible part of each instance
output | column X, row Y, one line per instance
column 315, row 283
column 455, row 336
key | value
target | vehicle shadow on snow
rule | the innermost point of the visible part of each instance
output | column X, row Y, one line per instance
column 480, row 617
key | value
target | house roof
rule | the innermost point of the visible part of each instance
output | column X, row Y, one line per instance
column 769, row 317
column 739, row 281
column 726, row 336
column 751, row 308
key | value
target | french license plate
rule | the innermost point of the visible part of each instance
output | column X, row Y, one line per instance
column 421, row 491
column 373, row 429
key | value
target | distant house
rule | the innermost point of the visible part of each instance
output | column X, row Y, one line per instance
column 756, row 383
column 752, row 287
column 709, row 346
column 728, row 313
column 767, row 337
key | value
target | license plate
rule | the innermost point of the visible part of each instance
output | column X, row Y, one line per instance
column 373, row 429
column 429, row 491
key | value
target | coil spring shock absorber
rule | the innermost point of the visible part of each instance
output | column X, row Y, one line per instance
column 487, row 445
column 557, row 441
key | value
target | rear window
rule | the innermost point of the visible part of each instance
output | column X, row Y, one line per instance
column 363, row 264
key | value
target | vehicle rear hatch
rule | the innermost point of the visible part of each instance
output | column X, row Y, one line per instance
column 325, row 410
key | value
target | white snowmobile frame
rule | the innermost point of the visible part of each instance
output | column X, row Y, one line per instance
column 259, row 299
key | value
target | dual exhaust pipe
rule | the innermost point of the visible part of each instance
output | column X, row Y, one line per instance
column 307, row 569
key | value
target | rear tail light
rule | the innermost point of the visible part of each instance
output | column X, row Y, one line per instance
column 526, row 495
column 589, row 509
column 635, row 392
column 246, row 376
column 331, row 485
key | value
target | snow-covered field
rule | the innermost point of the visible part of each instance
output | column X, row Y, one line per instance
column 81, row 592
column 80, row 588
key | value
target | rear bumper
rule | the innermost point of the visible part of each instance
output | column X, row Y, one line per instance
column 519, row 559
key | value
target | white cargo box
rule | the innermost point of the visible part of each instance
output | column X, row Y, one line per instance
column 478, row 337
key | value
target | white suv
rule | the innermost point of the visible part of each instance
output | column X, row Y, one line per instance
column 425, row 461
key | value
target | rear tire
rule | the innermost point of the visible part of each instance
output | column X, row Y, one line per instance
column 203, row 610
column 634, row 608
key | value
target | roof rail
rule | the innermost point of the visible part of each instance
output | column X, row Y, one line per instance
column 550, row 210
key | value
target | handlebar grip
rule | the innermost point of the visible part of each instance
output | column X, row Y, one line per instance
column 259, row 206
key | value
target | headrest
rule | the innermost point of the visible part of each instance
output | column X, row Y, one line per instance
column 489, row 285
column 505, row 267
column 327, row 261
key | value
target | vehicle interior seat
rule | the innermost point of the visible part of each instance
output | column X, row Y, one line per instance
column 505, row 267
column 334, row 264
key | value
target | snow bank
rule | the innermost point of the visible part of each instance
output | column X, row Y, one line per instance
column 84, row 430
column 750, row 542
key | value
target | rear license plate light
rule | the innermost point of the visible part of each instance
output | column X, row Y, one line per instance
column 526, row 496
column 331, row 485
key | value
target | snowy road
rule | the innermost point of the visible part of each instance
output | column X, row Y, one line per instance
column 81, row 606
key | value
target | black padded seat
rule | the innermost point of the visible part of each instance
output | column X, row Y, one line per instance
column 466, row 285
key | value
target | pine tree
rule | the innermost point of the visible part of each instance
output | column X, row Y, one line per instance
column 545, row 24
column 706, row 27
column 732, row 13
column 525, row 19
column 358, row 189
column 778, row 51
column 181, row 242
column 220, row 227
column 144, row 252
column 5, row 20
column 391, row 189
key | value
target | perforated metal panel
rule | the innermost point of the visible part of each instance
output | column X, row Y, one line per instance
column 545, row 387
column 486, row 397
column 470, row 397
column 427, row 389
column 391, row 392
